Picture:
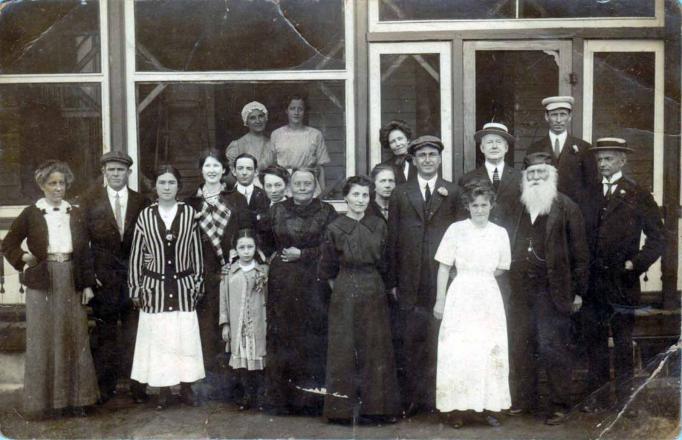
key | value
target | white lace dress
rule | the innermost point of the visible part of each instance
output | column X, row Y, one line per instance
column 473, row 364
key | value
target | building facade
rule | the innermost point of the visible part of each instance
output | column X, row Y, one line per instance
column 164, row 80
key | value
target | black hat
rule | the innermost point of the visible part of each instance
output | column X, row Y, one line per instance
column 611, row 144
column 425, row 141
column 541, row 157
column 116, row 156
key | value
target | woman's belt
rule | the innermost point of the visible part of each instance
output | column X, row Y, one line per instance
column 162, row 276
column 59, row 257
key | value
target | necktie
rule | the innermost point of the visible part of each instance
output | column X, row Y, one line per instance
column 557, row 148
column 608, row 188
column 117, row 214
column 496, row 179
column 427, row 195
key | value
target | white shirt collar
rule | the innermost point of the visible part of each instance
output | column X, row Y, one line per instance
column 491, row 169
column 123, row 192
column 562, row 138
column 248, row 267
column 614, row 178
column 431, row 182
column 44, row 204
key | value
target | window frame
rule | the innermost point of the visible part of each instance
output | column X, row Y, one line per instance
column 379, row 26
column 347, row 75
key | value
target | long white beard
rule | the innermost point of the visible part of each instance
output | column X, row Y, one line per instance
column 538, row 199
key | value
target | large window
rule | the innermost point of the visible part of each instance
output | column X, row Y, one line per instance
column 197, row 63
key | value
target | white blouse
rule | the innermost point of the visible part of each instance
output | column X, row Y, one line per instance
column 58, row 227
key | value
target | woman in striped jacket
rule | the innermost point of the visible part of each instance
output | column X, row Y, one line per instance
column 166, row 280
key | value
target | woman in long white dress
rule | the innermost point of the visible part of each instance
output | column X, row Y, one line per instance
column 473, row 364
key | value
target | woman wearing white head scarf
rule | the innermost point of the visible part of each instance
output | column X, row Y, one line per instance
column 255, row 142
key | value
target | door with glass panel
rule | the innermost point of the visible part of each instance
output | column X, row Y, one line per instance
column 623, row 97
column 505, row 81
column 412, row 82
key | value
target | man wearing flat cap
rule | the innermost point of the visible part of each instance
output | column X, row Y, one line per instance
column 111, row 213
column 494, row 141
column 627, row 211
column 578, row 176
column 549, row 275
column 420, row 210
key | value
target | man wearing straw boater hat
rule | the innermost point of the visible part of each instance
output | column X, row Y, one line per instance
column 578, row 176
column 494, row 141
column 627, row 211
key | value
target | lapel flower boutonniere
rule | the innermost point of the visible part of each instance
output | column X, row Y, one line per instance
column 442, row 191
column 575, row 148
column 621, row 192
column 261, row 282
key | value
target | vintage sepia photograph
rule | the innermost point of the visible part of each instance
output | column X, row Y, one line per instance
column 340, row 219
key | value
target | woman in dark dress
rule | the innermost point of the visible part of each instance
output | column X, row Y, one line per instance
column 361, row 374
column 220, row 214
column 383, row 178
column 297, row 300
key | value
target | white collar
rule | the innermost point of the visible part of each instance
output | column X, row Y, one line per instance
column 614, row 178
column 123, row 192
column 431, row 182
column 248, row 267
column 241, row 188
column 44, row 204
column 491, row 168
column 562, row 137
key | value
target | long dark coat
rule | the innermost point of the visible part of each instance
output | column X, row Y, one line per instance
column 624, row 216
column 208, row 307
column 360, row 359
column 296, row 306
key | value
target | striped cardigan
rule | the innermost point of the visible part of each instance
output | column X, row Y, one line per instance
column 166, row 267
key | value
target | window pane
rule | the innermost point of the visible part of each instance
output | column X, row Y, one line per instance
column 202, row 35
column 624, row 107
column 586, row 8
column 410, row 90
column 510, row 86
column 390, row 10
column 182, row 120
column 40, row 122
column 56, row 36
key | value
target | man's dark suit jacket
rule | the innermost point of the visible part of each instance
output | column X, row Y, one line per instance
column 578, row 177
column 110, row 252
column 628, row 212
column 398, row 170
column 412, row 231
column 508, row 196
column 566, row 252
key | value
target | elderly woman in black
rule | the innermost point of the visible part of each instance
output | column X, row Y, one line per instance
column 166, row 281
column 361, row 374
column 59, row 276
column 383, row 178
column 297, row 301
column 221, row 212
column 395, row 136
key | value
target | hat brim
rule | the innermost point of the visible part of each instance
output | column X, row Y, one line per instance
column 480, row 133
column 612, row 148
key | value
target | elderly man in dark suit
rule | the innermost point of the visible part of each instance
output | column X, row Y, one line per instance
column 494, row 140
column 578, row 176
column 549, row 274
column 627, row 211
column 395, row 136
column 110, row 213
column 420, row 211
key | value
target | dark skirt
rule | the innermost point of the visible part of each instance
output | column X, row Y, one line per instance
column 361, row 369
column 59, row 370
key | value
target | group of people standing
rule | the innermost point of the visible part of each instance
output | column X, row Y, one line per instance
column 423, row 295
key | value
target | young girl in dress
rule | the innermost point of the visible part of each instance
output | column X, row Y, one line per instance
column 242, row 316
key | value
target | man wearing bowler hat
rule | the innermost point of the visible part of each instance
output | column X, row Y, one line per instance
column 420, row 210
column 111, row 213
column 578, row 176
column 549, row 275
column 627, row 211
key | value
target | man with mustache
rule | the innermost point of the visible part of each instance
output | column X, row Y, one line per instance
column 627, row 211
column 549, row 275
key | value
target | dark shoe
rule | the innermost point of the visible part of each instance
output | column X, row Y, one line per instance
column 411, row 410
column 104, row 398
column 339, row 421
column 138, row 392
column 187, row 395
column 78, row 411
column 163, row 398
column 557, row 418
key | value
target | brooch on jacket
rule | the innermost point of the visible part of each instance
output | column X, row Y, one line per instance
column 442, row 191
column 261, row 282
column 170, row 236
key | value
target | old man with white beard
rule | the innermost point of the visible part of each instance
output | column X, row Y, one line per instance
column 549, row 274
